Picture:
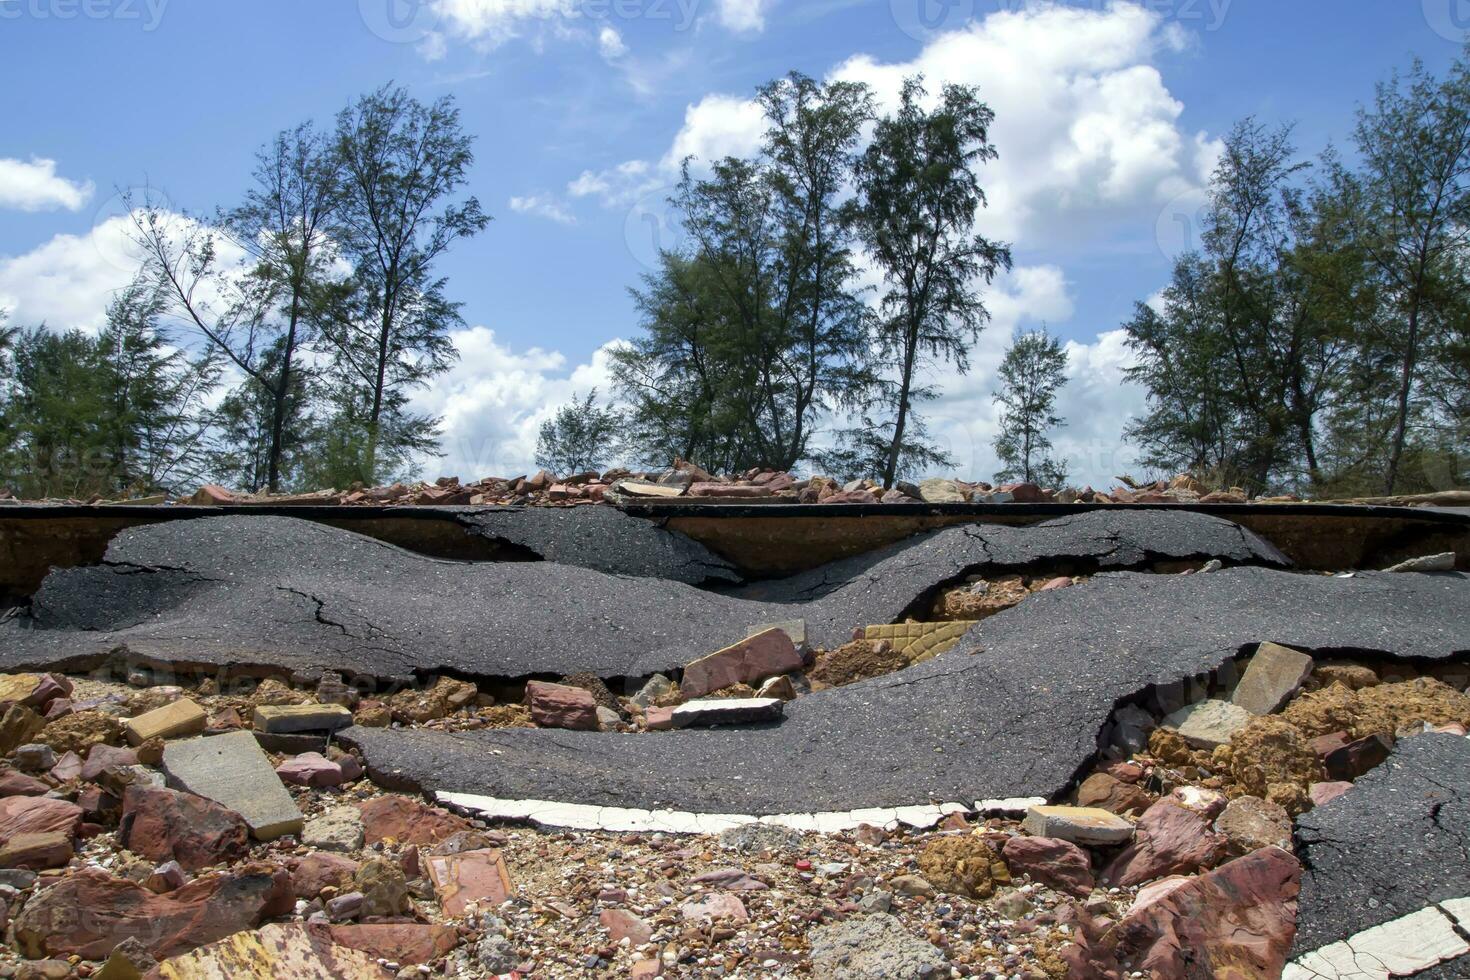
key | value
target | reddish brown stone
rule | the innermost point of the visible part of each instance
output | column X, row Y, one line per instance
column 1324, row 793
column 164, row 825
column 68, row 767
column 1023, row 493
column 622, row 924
column 14, row 783
column 727, row 490
column 37, row 815
column 1234, row 923
column 37, row 851
column 474, row 876
column 407, row 821
column 561, row 706
column 406, row 943
column 1112, row 794
column 1170, row 839
column 310, row 769
column 750, row 661
column 1058, row 863
column 1355, row 758
column 101, row 758
column 311, row 874
column 91, row 912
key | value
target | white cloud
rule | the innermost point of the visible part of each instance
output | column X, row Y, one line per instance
column 68, row 281
column 35, row 186
column 543, row 206
column 610, row 43
column 491, row 23
column 743, row 16
column 494, row 401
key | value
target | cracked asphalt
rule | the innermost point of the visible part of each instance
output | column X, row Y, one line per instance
column 273, row 591
column 1400, row 840
column 1015, row 710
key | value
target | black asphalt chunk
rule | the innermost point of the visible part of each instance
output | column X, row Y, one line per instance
column 604, row 539
column 273, row 591
column 1400, row 840
column 1091, row 541
column 1014, row 711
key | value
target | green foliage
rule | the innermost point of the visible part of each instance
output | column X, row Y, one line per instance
column 580, row 437
column 920, row 191
column 756, row 329
column 1033, row 371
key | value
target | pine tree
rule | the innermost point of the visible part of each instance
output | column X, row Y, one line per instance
column 1033, row 371
column 581, row 436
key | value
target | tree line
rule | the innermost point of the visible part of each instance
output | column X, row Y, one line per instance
column 1318, row 339
column 273, row 344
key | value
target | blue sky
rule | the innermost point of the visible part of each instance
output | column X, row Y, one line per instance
column 1108, row 114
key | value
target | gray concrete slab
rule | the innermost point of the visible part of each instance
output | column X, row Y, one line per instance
column 275, row 591
column 1015, row 710
column 1400, row 840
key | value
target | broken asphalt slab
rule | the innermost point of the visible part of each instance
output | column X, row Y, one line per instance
column 284, row 593
column 603, row 539
column 1399, row 841
column 1014, row 711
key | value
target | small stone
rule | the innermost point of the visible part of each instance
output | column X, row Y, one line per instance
column 608, row 719
column 714, row 907
column 18, row 726
column 35, row 757
column 409, row 943
column 1112, row 794
column 939, row 491
column 164, row 825
column 913, row 886
column 750, row 661
column 383, row 886
column 1274, row 675
column 1170, row 839
column 407, row 821
column 1324, row 793
column 1208, row 724
column 622, row 924
column 315, row 872
column 310, row 769
column 1352, row 760
column 339, row 830
column 286, row 719
column 561, row 706
column 965, row 865
column 129, row 960
column 36, row 852
column 183, row 717
column 1208, row 803
column 1088, row 826
column 779, row 688
column 657, row 686
column 1250, row 823
column 1056, row 863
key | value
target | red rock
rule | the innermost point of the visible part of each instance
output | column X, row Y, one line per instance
column 100, row 758
column 14, row 783
column 1325, row 745
column 646, row 970
column 714, row 906
column 753, row 659
column 1023, row 493
column 474, row 876
column 164, row 825
column 97, row 803
column 407, row 821
column 310, row 769
column 59, row 708
column 1170, row 839
column 406, row 943
column 560, row 706
column 727, row 490
column 1112, row 794
column 1126, row 772
column 1056, row 583
column 1324, row 793
column 67, row 768
column 622, row 924
column 1235, row 922
column 37, row 851
column 37, row 815
column 657, row 719
column 212, row 495
column 167, row 877
column 851, row 497
column 1058, row 863
column 1354, row 759
column 89, row 913
column 311, row 874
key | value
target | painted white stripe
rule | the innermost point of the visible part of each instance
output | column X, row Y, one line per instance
column 579, row 816
column 1400, row 948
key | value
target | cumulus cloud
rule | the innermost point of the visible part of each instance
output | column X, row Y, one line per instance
column 35, row 186
column 68, row 281
column 494, row 401
column 543, row 206
column 610, row 43
column 743, row 16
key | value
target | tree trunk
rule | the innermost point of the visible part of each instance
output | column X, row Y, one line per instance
column 281, row 396
column 911, row 345
column 1406, row 384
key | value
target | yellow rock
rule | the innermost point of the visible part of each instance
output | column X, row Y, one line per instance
column 18, row 687
column 919, row 642
column 272, row 952
column 183, row 717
